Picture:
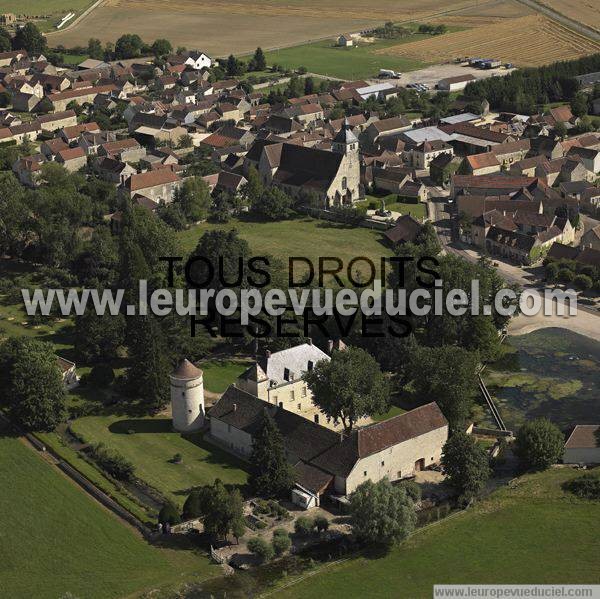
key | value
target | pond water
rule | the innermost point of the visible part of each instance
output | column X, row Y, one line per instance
column 551, row 372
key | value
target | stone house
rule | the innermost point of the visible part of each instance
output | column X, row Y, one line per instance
column 327, row 462
column 156, row 184
column 125, row 150
column 72, row 159
column 481, row 164
column 591, row 239
column 57, row 120
column 276, row 378
column 112, row 170
column 422, row 154
column 345, row 40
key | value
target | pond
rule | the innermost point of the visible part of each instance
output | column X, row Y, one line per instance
column 551, row 372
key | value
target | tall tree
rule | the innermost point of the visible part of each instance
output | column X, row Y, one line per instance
column 161, row 47
column 194, row 199
column 148, row 374
column 259, row 62
column 348, row 387
column 466, row 464
column 31, row 387
column 381, row 514
column 29, row 38
column 539, row 444
column 5, row 41
column 94, row 49
column 271, row 474
column 447, row 374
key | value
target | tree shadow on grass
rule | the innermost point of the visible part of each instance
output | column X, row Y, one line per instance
column 132, row 426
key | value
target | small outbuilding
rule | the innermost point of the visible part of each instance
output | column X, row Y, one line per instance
column 345, row 40
column 583, row 445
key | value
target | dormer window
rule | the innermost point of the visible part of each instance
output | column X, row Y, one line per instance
column 310, row 365
column 286, row 374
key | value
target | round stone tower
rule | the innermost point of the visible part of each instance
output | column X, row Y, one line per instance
column 187, row 397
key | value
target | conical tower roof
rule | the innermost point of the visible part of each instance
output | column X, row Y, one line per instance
column 186, row 370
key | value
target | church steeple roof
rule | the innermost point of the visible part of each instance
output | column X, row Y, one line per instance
column 345, row 135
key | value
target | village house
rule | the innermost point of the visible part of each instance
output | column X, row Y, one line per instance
column 158, row 185
column 423, row 153
column 112, row 170
column 452, row 84
column 72, row 159
column 406, row 230
column 345, row 40
column 125, row 150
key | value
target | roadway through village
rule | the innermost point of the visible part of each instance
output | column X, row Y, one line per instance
column 585, row 322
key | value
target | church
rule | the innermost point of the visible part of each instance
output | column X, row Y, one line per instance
column 334, row 176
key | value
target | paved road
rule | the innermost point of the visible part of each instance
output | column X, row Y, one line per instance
column 566, row 21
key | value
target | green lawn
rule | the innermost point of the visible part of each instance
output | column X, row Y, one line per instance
column 355, row 62
column 301, row 236
column 56, row 540
column 44, row 7
column 393, row 411
column 219, row 374
column 75, row 58
column 532, row 533
column 150, row 444
column 417, row 210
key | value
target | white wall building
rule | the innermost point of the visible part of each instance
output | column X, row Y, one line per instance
column 583, row 445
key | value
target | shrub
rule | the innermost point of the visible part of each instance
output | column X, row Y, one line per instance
column 539, row 444
column 169, row 514
column 112, row 462
column 177, row 458
column 102, row 375
column 263, row 550
column 260, row 524
column 412, row 490
column 583, row 282
column 304, row 525
column 281, row 544
column 565, row 275
column 321, row 523
column 280, row 532
column 584, row 487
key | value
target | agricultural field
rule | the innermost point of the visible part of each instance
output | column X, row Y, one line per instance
column 301, row 236
column 150, row 444
column 583, row 11
column 221, row 27
column 56, row 540
column 527, row 41
column 499, row 539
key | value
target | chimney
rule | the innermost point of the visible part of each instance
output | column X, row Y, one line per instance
column 234, row 407
column 341, row 436
column 268, row 353
column 329, row 346
column 309, row 341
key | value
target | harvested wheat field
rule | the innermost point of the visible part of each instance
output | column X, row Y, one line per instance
column 221, row 26
column 526, row 41
column 583, row 11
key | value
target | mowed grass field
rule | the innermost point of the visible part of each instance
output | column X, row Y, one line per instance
column 301, row 236
column 54, row 539
column 529, row 533
column 355, row 62
column 44, row 7
column 150, row 444
column 526, row 41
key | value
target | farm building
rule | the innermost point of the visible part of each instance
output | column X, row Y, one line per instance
column 452, row 84
column 345, row 40
column 583, row 445
column 327, row 462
